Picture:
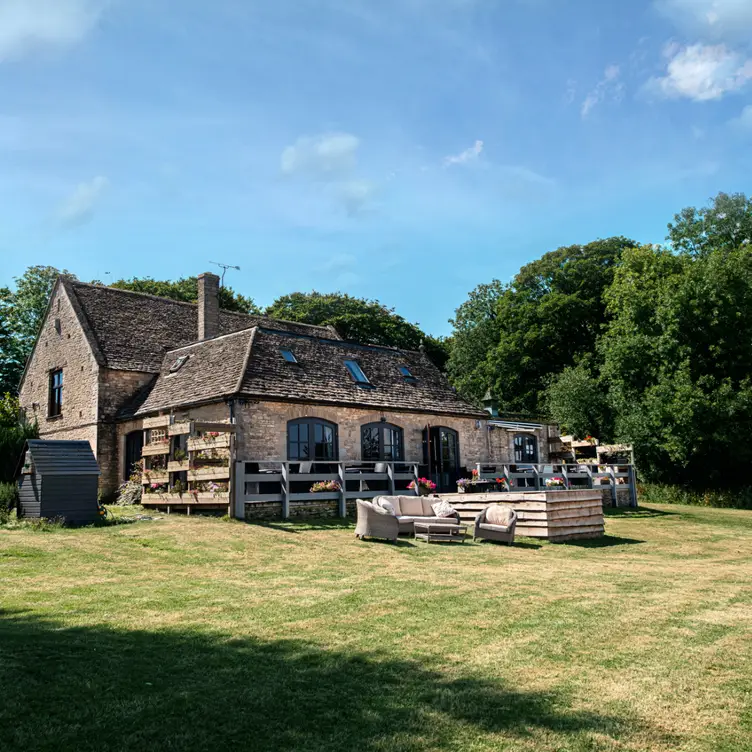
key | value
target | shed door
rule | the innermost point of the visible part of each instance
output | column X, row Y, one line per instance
column 134, row 443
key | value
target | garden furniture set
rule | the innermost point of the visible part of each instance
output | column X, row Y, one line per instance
column 430, row 519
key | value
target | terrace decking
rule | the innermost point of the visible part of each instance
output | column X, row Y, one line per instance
column 556, row 516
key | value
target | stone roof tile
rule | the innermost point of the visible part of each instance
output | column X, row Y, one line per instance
column 133, row 330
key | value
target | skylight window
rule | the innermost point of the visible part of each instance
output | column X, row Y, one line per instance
column 405, row 371
column 178, row 364
column 289, row 356
column 356, row 372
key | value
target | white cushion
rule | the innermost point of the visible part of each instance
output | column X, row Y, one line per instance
column 495, row 528
column 443, row 509
column 497, row 514
column 386, row 505
column 411, row 505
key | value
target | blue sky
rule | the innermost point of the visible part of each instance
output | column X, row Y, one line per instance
column 404, row 150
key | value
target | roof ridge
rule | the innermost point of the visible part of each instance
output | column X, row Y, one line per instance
column 245, row 330
column 187, row 303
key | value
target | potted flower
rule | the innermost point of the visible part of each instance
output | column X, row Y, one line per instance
column 464, row 485
column 604, row 480
column 425, row 486
column 180, row 455
column 326, row 486
column 502, row 484
column 555, row 482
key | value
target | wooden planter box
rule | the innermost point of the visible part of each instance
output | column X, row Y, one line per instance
column 199, row 444
column 210, row 473
column 186, row 498
column 178, row 467
column 162, row 477
column 150, row 450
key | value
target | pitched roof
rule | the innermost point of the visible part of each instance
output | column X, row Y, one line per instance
column 249, row 364
column 131, row 331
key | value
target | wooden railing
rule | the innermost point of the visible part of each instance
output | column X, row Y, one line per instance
column 532, row 477
column 357, row 480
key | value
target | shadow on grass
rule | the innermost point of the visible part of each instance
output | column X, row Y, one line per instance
column 306, row 525
column 637, row 514
column 605, row 542
column 105, row 689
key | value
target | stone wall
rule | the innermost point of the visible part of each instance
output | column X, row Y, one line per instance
column 272, row 510
column 501, row 444
column 62, row 344
column 115, row 388
column 262, row 430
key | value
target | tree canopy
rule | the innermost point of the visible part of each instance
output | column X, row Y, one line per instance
column 513, row 338
column 358, row 320
column 724, row 225
column 185, row 289
column 21, row 314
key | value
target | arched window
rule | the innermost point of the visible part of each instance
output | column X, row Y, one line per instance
column 525, row 448
column 382, row 441
column 312, row 439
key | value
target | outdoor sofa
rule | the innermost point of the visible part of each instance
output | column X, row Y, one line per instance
column 407, row 511
column 499, row 527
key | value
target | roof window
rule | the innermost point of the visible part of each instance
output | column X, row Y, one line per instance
column 289, row 356
column 356, row 372
column 178, row 364
column 405, row 371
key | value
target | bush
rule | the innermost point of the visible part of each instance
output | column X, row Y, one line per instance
column 12, row 440
column 8, row 499
column 656, row 493
column 130, row 492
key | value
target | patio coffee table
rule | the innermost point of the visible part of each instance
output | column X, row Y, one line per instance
column 435, row 531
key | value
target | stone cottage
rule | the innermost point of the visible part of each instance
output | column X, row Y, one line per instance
column 108, row 363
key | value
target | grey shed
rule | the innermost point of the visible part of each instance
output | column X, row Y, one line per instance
column 59, row 479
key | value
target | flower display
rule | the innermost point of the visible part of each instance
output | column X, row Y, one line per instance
column 326, row 486
column 555, row 482
column 424, row 484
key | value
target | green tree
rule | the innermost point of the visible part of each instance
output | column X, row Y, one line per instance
column 514, row 338
column 357, row 320
column 185, row 289
column 724, row 225
column 21, row 314
column 577, row 400
column 677, row 358
column 476, row 334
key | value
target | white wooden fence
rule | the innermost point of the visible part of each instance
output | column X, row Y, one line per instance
column 356, row 480
column 528, row 477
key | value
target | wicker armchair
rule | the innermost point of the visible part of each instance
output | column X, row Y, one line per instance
column 375, row 522
column 502, row 533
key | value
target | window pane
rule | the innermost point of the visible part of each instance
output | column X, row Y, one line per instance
column 371, row 449
column 356, row 371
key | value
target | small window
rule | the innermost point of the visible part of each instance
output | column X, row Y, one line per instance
column 56, row 393
column 178, row 364
column 289, row 356
column 356, row 372
column 405, row 371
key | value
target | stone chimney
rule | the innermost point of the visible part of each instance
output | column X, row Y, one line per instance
column 208, row 305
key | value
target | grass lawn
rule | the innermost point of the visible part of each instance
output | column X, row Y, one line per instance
column 191, row 633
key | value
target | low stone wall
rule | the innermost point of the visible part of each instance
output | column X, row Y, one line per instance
column 272, row 510
column 622, row 497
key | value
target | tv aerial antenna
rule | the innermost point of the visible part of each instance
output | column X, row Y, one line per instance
column 225, row 267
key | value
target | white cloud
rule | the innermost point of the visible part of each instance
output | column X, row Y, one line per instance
column 470, row 154
column 716, row 19
column 79, row 207
column 27, row 26
column 609, row 87
column 744, row 121
column 356, row 196
column 323, row 157
column 701, row 72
